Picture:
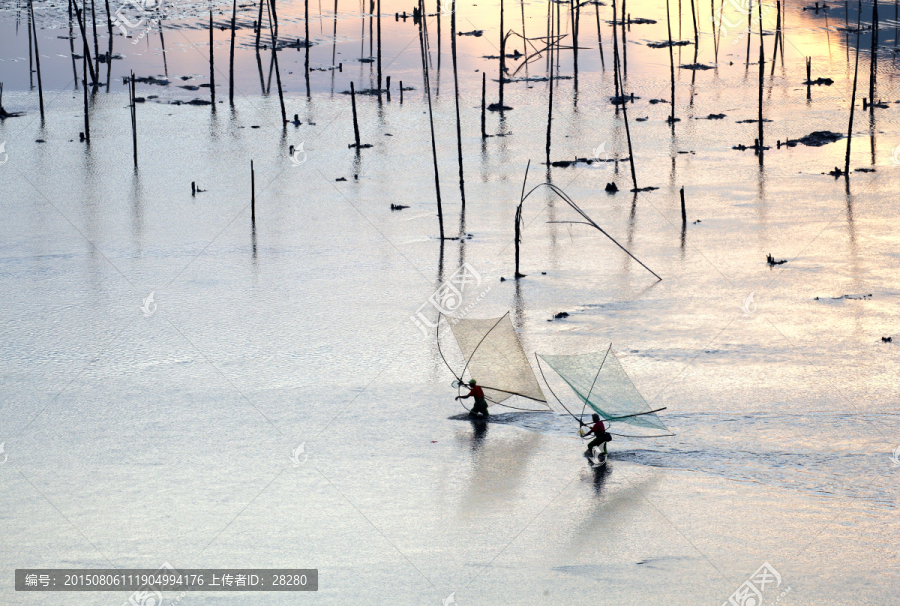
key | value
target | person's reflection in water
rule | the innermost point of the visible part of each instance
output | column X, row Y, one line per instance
column 479, row 432
column 600, row 473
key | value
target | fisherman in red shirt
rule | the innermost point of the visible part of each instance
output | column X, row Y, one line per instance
column 600, row 435
column 480, row 406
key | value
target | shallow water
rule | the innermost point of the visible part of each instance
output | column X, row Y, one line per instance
column 133, row 439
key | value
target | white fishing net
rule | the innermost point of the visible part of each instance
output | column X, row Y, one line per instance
column 496, row 359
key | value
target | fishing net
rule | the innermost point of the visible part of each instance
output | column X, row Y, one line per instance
column 609, row 392
column 495, row 358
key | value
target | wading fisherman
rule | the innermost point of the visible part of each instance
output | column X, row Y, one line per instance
column 480, row 406
column 600, row 435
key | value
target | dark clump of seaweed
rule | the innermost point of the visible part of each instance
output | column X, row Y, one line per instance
column 667, row 44
column 815, row 139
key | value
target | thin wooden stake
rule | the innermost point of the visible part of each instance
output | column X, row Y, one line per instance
column 459, row 153
column 808, row 78
column 252, row 194
column 518, row 229
column 618, row 93
column 37, row 58
column 671, row 65
column 483, row 93
column 231, row 63
column 72, row 47
column 94, row 25
column 132, row 96
column 212, row 71
column 87, row 121
column 502, row 56
column 762, row 72
column 355, row 122
column 600, row 38
column 683, row 211
column 873, row 60
column 378, row 31
column 550, row 114
column 87, row 50
column 696, row 31
column 284, row 120
column 777, row 34
column 259, row 23
column 853, row 97
column 426, row 80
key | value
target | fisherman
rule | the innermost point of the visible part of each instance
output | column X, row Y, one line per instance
column 480, row 406
column 600, row 435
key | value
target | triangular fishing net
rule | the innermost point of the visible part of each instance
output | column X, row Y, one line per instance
column 610, row 392
column 495, row 358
